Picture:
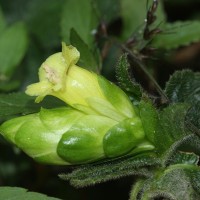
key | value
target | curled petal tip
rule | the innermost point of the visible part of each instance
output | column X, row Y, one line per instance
column 40, row 90
column 70, row 54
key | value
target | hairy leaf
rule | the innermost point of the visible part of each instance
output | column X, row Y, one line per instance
column 189, row 144
column 136, row 189
column 195, row 177
column 87, row 59
column 193, row 117
column 125, row 80
column 149, row 118
column 184, row 158
column 166, row 184
column 184, row 86
column 171, row 127
column 178, row 34
column 16, row 193
column 113, row 169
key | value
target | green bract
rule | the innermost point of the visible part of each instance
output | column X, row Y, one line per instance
column 101, row 122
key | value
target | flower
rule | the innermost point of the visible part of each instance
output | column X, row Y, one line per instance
column 100, row 123
column 84, row 90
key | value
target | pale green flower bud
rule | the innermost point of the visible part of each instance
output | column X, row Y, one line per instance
column 38, row 134
column 101, row 123
column 67, row 136
column 79, row 88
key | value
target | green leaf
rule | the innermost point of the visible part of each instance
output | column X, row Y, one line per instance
column 79, row 15
column 107, row 10
column 193, row 116
column 171, row 127
column 184, row 86
column 112, row 56
column 2, row 21
column 195, row 177
column 134, row 13
column 126, row 82
column 33, row 60
column 20, row 103
column 12, row 12
column 13, row 43
column 87, row 59
column 188, row 144
column 136, row 189
column 7, row 86
column 112, row 169
column 174, row 183
column 149, row 118
column 40, row 17
column 48, row 31
column 177, row 34
column 184, row 158
column 16, row 193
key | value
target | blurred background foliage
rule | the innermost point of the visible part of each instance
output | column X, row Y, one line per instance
column 102, row 30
